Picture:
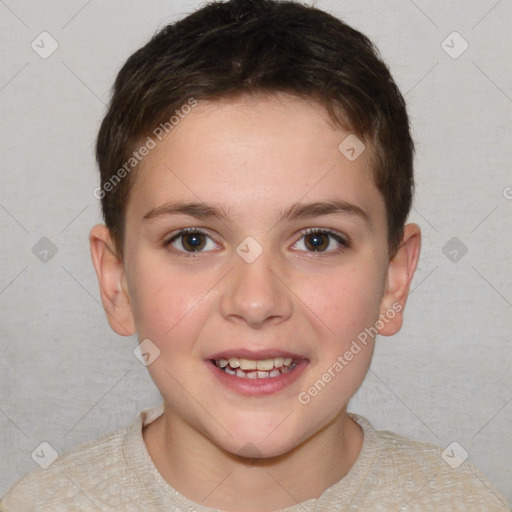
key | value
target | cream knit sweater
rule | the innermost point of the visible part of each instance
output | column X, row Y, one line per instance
column 116, row 473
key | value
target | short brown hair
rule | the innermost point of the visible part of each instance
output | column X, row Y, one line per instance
column 242, row 47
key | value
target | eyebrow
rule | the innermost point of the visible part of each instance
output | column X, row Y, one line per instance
column 295, row 211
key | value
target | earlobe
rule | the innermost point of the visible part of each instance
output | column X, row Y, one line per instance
column 400, row 273
column 112, row 281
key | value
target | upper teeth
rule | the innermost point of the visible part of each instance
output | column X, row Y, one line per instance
column 261, row 364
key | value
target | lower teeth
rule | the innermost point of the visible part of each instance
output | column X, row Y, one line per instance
column 258, row 374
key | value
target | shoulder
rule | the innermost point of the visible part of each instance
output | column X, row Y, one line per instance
column 422, row 476
column 87, row 478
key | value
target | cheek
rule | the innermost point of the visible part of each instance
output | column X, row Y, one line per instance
column 344, row 302
column 163, row 300
column 344, row 314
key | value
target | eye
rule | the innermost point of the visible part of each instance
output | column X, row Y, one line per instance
column 322, row 240
column 191, row 240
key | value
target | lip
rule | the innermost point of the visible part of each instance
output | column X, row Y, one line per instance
column 253, row 355
column 256, row 387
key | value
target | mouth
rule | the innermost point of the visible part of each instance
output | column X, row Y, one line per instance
column 268, row 368
column 256, row 373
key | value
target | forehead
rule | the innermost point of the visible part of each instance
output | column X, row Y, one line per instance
column 252, row 153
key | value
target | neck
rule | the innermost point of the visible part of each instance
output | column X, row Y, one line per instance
column 210, row 476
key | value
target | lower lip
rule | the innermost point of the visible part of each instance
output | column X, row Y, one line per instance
column 258, row 387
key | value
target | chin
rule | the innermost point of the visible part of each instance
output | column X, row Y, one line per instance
column 259, row 442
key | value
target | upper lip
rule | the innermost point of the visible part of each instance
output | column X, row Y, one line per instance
column 254, row 355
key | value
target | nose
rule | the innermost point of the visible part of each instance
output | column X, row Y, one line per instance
column 256, row 294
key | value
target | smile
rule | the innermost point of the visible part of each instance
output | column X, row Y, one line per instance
column 256, row 369
column 256, row 373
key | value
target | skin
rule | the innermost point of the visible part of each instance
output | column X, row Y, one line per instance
column 254, row 157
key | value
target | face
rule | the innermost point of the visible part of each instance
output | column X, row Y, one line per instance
column 253, row 242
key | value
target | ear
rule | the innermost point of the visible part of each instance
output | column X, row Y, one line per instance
column 400, row 272
column 112, row 280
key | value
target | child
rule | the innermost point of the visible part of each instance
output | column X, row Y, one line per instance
column 256, row 176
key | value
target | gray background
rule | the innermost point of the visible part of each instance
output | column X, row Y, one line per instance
column 66, row 378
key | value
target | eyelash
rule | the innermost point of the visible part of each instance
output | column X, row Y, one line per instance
column 342, row 240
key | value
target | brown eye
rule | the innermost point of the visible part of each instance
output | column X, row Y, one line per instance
column 190, row 241
column 322, row 241
column 193, row 241
column 317, row 242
